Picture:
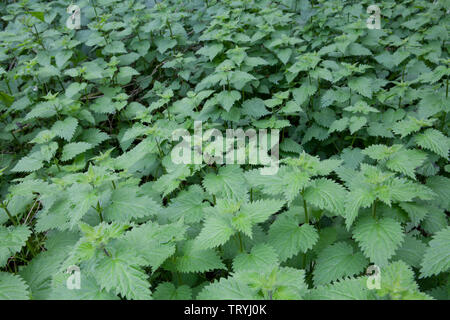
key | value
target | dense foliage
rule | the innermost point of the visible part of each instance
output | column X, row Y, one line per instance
column 87, row 178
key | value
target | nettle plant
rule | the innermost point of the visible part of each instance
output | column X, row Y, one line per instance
column 87, row 179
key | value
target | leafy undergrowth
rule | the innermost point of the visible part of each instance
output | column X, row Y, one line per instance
column 87, row 177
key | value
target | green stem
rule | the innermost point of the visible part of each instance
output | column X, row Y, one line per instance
column 305, row 208
column 241, row 246
column 306, row 211
column 99, row 211
column 30, row 247
column 95, row 9
column 170, row 28
column 446, row 92
column 350, row 98
column 9, row 214
column 304, row 261
column 374, row 209
column 38, row 38
column 15, row 138
column 353, row 141
column 180, row 282
column 159, row 148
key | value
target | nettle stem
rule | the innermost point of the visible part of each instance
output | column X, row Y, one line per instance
column 5, row 207
column 241, row 245
column 374, row 209
column 30, row 247
column 170, row 28
column 99, row 210
column 15, row 138
column 95, row 9
column 305, row 208
column 306, row 211
column 446, row 91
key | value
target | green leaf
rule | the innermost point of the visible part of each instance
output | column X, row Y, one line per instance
column 12, row 287
column 228, row 183
column 71, row 150
column 304, row 92
column 65, row 129
column 125, row 74
column 260, row 210
column 397, row 281
column 289, row 239
column 356, row 123
column 337, row 261
column 74, row 88
column 261, row 257
column 167, row 291
column 127, row 204
column 284, row 54
column 406, row 161
column 378, row 239
column 435, row 141
column 119, row 274
column 211, row 50
column 437, row 255
column 216, row 231
column 154, row 243
column 285, row 182
column 37, row 14
column 6, row 99
column 227, row 289
column 255, row 107
column 411, row 251
column 164, row 44
column 83, row 198
column 12, row 239
column 416, row 212
column 189, row 205
column 348, row 289
column 62, row 57
column 228, row 98
column 326, row 194
column 27, row 164
column 197, row 260
column 38, row 273
column 361, row 85
column 115, row 47
column 90, row 289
